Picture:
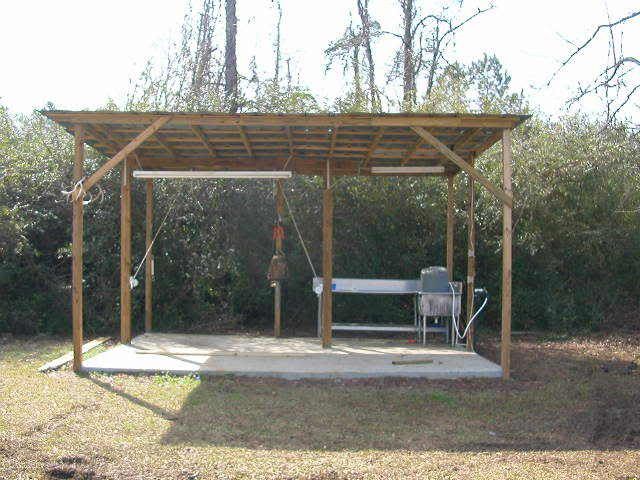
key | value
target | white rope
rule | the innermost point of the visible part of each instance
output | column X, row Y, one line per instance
column 304, row 247
column 78, row 192
column 132, row 280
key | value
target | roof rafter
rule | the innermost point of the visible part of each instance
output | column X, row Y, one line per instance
column 203, row 138
column 374, row 144
column 245, row 140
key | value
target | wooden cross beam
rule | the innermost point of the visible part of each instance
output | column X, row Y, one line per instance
column 127, row 150
column 460, row 162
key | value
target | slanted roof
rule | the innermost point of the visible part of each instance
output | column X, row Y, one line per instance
column 299, row 142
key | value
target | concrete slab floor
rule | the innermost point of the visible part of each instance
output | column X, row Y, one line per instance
column 291, row 358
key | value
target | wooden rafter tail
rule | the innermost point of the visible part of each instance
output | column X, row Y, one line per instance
column 374, row 145
column 127, row 150
column 203, row 138
column 464, row 165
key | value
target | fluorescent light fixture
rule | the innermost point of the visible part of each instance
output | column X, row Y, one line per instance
column 258, row 174
column 405, row 170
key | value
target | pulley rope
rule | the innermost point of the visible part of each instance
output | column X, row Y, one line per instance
column 295, row 224
column 132, row 279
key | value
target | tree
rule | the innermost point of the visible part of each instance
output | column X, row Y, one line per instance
column 424, row 41
column 348, row 51
column 617, row 81
column 230, row 59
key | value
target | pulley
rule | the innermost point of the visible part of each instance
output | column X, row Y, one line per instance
column 278, row 270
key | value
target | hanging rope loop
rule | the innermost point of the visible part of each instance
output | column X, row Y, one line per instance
column 78, row 192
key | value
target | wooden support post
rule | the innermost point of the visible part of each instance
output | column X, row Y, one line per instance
column 327, row 260
column 76, row 250
column 277, row 291
column 125, row 252
column 449, row 253
column 505, row 344
column 471, row 256
column 148, row 266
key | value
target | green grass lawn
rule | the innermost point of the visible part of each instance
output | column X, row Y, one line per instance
column 571, row 411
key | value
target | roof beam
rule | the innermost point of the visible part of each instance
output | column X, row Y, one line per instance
column 96, row 176
column 460, row 162
column 245, row 140
column 373, row 146
column 203, row 138
column 308, row 120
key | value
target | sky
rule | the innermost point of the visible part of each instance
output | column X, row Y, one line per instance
column 77, row 54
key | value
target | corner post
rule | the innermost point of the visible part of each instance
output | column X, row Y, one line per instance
column 450, row 199
column 125, row 252
column 76, row 249
column 327, row 259
column 505, row 344
column 148, row 266
column 471, row 256
column 277, row 292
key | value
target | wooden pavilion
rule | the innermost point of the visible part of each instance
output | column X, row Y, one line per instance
column 306, row 144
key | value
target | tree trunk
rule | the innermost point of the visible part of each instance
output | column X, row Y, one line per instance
column 230, row 60
column 363, row 11
column 408, row 76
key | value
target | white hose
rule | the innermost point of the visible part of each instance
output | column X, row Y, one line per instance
column 453, row 316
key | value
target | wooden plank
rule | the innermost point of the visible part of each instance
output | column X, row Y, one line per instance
column 203, row 138
column 69, row 356
column 450, row 225
column 471, row 257
column 77, row 249
column 505, row 344
column 125, row 252
column 148, row 265
column 460, row 162
column 157, row 124
column 414, row 361
column 327, row 260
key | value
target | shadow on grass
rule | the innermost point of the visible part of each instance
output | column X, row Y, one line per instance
column 557, row 401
